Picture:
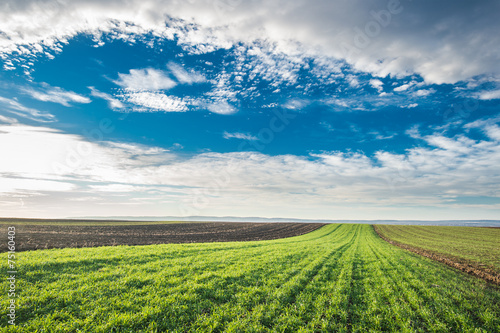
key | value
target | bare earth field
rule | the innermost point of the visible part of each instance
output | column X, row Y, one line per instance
column 41, row 236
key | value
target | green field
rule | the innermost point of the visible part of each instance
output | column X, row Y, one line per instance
column 340, row 278
column 480, row 246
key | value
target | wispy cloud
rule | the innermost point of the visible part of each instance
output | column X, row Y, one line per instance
column 487, row 126
column 8, row 120
column 19, row 109
column 449, row 166
column 183, row 76
column 241, row 136
column 11, row 186
column 117, row 188
column 112, row 102
column 56, row 95
column 380, row 136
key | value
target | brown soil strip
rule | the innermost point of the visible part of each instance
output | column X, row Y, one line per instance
column 467, row 267
column 33, row 237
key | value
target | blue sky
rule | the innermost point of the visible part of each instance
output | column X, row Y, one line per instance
column 321, row 109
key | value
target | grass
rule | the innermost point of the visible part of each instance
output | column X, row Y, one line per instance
column 480, row 246
column 340, row 278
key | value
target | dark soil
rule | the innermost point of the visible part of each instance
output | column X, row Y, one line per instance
column 32, row 237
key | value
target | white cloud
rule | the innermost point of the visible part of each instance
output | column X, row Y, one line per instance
column 493, row 132
column 63, row 156
column 112, row 102
column 56, row 95
column 142, row 92
column 222, row 88
column 14, row 107
column 24, row 186
column 487, row 95
column 8, row 120
column 134, row 149
column 342, row 103
column 424, row 92
column 20, row 143
column 183, row 76
column 145, row 79
column 413, row 132
column 377, row 84
column 241, row 136
column 353, row 81
column 409, row 106
column 488, row 126
column 117, row 188
column 460, row 144
column 296, row 104
column 402, row 87
column 379, row 136
column 242, row 180
column 274, row 65
column 221, row 107
column 446, row 46
column 154, row 101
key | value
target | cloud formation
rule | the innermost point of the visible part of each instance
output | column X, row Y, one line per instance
column 113, row 103
column 433, row 176
column 304, row 58
column 241, row 136
column 56, row 95
column 154, row 101
column 377, row 84
column 488, row 95
column 145, row 79
column 396, row 38
column 14, row 107
column 183, row 76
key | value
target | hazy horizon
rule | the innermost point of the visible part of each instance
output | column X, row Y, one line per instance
column 104, row 219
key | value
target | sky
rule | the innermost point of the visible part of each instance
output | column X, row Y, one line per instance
column 302, row 109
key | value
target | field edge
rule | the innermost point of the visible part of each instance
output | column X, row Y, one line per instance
column 470, row 268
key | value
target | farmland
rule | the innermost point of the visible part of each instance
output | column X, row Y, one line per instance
column 475, row 250
column 339, row 278
column 91, row 234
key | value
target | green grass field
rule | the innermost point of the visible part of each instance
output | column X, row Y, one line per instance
column 340, row 278
column 474, row 245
